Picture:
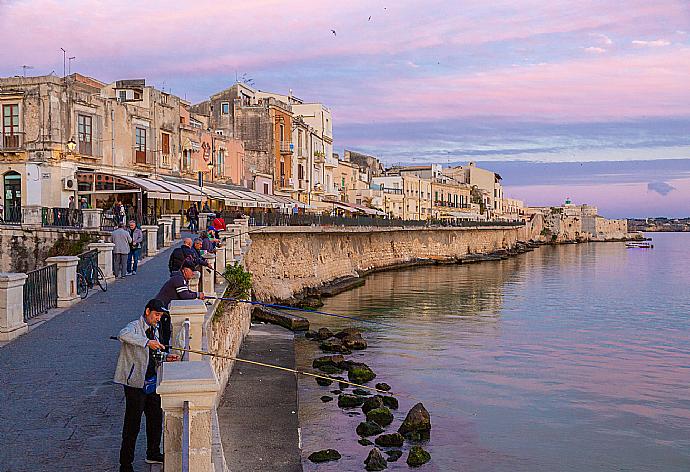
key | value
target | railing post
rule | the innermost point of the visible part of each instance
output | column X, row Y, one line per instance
column 167, row 225
column 195, row 312
column 66, row 279
column 203, row 221
column 105, row 258
column 195, row 384
column 151, row 235
column 208, row 276
column 12, row 305
column 234, row 240
column 178, row 224
column 32, row 216
column 244, row 223
column 220, row 262
column 92, row 218
column 195, row 281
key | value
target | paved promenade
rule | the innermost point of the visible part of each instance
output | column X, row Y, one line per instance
column 59, row 410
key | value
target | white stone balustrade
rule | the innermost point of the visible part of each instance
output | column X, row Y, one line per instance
column 196, row 384
column 195, row 281
column 12, row 305
column 203, row 220
column 234, row 239
column 167, row 233
column 151, row 235
column 178, row 224
column 208, row 276
column 195, row 312
column 220, row 262
column 66, row 279
column 92, row 218
column 105, row 258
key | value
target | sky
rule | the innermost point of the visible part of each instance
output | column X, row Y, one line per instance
column 534, row 83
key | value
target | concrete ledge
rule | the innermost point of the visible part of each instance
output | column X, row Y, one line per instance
column 371, row 229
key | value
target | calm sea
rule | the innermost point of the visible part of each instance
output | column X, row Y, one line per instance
column 569, row 358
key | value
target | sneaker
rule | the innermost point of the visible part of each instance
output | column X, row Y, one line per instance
column 154, row 458
column 134, row 272
column 128, row 273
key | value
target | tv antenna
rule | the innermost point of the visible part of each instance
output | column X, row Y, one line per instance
column 24, row 69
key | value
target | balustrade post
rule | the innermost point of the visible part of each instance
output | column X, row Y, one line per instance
column 234, row 239
column 92, row 218
column 12, row 305
column 105, row 258
column 195, row 384
column 208, row 276
column 178, row 224
column 195, row 312
column 66, row 279
column 167, row 234
column 244, row 223
column 220, row 262
column 195, row 281
column 151, row 235
column 32, row 216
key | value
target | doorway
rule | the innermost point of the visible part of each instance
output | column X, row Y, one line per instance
column 12, row 193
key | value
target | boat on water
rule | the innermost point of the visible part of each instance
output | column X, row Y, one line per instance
column 639, row 245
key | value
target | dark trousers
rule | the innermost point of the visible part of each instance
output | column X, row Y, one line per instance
column 136, row 403
column 133, row 260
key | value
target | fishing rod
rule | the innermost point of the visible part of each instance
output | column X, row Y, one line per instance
column 302, row 310
column 273, row 366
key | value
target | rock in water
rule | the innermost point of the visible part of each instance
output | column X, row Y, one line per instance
column 382, row 416
column 330, row 369
column 382, row 386
column 394, row 455
column 324, row 456
column 348, row 332
column 324, row 333
column 372, row 403
column 390, row 402
column 335, row 361
column 417, row 456
column 311, row 335
column 323, row 382
column 375, row 460
column 369, row 428
column 358, row 372
column 334, row 345
column 354, row 342
column 336, row 392
column 390, row 440
column 326, row 399
column 365, row 442
column 416, row 422
column 361, row 392
column 349, row 401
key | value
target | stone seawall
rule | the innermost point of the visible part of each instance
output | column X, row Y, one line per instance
column 285, row 261
column 228, row 327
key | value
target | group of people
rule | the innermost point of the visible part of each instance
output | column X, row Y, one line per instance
column 145, row 342
column 127, row 249
column 82, row 203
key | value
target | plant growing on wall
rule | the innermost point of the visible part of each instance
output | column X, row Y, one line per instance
column 239, row 281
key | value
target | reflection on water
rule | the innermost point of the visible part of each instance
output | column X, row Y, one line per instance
column 569, row 358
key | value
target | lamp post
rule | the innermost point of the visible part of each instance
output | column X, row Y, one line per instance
column 71, row 145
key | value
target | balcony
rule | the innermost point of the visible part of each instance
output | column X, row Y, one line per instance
column 12, row 142
column 286, row 147
column 331, row 162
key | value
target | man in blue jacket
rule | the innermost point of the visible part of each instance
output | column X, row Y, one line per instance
column 136, row 371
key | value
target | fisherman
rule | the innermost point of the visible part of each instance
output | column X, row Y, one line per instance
column 176, row 288
column 136, row 371
column 180, row 254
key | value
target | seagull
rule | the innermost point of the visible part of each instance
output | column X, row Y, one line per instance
column 369, row 19
column 334, row 33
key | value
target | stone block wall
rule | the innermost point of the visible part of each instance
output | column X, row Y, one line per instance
column 228, row 327
column 285, row 261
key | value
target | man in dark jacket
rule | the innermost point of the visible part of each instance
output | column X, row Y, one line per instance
column 176, row 288
column 184, row 252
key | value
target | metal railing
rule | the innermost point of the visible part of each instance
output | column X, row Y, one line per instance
column 185, row 436
column 161, row 236
column 275, row 219
column 144, row 245
column 62, row 217
column 40, row 291
column 11, row 216
column 109, row 222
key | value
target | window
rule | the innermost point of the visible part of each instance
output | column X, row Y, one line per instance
column 300, row 172
column 85, row 134
column 282, row 133
column 10, row 125
column 266, row 192
column 123, row 95
column 220, row 164
column 187, row 160
column 225, row 108
column 165, row 143
column 140, row 146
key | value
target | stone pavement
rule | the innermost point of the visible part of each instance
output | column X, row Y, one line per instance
column 59, row 410
column 258, row 414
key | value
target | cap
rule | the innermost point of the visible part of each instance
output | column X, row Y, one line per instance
column 188, row 264
column 157, row 305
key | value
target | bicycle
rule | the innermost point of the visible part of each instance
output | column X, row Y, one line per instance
column 86, row 276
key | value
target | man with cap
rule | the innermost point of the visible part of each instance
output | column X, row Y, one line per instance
column 176, row 288
column 136, row 371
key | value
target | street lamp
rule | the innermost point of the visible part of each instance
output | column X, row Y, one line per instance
column 71, row 145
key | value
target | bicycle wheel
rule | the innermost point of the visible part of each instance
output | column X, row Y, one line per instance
column 100, row 279
column 82, row 286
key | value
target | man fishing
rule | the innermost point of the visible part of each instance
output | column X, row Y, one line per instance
column 136, row 371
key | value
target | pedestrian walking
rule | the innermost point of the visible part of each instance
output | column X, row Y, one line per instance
column 193, row 217
column 176, row 288
column 121, row 238
column 134, row 247
column 136, row 371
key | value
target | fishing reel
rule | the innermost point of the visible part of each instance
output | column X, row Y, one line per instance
column 159, row 356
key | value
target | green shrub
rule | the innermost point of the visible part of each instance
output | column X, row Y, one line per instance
column 239, row 281
column 70, row 247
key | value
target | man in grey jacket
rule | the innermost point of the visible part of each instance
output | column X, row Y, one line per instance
column 121, row 238
column 134, row 248
column 136, row 371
